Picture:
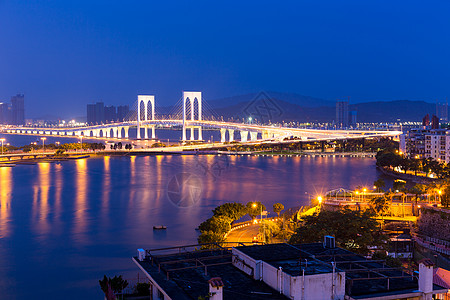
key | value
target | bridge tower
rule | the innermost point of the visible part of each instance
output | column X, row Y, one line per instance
column 191, row 97
column 146, row 99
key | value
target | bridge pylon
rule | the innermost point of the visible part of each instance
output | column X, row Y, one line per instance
column 191, row 97
column 146, row 99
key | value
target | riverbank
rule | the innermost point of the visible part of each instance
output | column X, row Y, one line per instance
column 34, row 158
column 408, row 177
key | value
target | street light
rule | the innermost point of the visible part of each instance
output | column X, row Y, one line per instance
column 81, row 146
column 2, row 144
column 43, row 144
column 254, row 205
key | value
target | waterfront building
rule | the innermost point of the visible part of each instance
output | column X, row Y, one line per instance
column 426, row 120
column 342, row 114
column 91, row 119
column 279, row 271
column 353, row 118
column 100, row 112
column 5, row 113
column 122, row 112
column 434, row 122
column 110, row 114
column 18, row 109
column 426, row 143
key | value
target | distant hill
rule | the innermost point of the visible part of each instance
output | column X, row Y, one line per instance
column 278, row 107
column 303, row 101
column 390, row 111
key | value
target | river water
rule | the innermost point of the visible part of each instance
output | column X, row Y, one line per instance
column 64, row 225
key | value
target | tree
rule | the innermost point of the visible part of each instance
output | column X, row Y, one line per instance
column 218, row 224
column 117, row 284
column 277, row 208
column 254, row 209
column 380, row 204
column 418, row 189
column 234, row 210
column 353, row 230
column 379, row 184
column 142, row 289
column 210, row 237
column 268, row 230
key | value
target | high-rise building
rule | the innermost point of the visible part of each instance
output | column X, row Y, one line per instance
column 426, row 120
column 353, row 119
column 342, row 114
column 99, row 112
column 5, row 113
column 442, row 111
column 110, row 113
column 122, row 112
column 18, row 110
column 91, row 116
column 434, row 122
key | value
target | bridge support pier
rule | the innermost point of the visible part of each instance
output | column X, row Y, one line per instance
column 192, row 134
column 200, row 137
column 145, row 132
column 253, row 136
column 223, row 131
column 153, row 132
column 119, row 132
column 126, row 131
column 244, row 136
column 231, row 135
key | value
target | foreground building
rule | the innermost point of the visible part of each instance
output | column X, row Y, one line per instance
column 279, row 271
column 426, row 143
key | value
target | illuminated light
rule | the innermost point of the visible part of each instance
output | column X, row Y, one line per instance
column 439, row 192
column 254, row 205
column 374, row 187
column 418, row 206
column 319, row 199
column 356, row 192
column 364, row 190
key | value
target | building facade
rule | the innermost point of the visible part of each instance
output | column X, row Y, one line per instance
column 342, row 114
column 426, row 143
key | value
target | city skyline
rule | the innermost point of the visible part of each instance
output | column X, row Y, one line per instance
column 327, row 50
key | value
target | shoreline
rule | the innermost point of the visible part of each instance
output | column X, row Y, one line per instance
column 413, row 178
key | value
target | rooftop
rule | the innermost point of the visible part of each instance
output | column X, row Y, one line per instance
column 363, row 276
column 185, row 275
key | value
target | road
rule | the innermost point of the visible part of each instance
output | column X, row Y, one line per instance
column 244, row 234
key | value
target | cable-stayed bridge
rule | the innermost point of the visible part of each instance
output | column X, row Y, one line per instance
column 188, row 115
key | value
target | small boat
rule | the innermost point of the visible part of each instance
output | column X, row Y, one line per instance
column 159, row 227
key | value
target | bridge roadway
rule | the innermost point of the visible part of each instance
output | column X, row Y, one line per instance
column 268, row 133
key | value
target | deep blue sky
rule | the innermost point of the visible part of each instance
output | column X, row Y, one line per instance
column 64, row 54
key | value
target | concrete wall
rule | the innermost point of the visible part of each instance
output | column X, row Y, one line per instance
column 319, row 286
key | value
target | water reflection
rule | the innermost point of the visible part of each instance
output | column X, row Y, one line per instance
column 102, row 209
column 81, row 186
column 41, row 208
column 6, row 185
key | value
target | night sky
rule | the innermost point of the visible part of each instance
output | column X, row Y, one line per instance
column 64, row 54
